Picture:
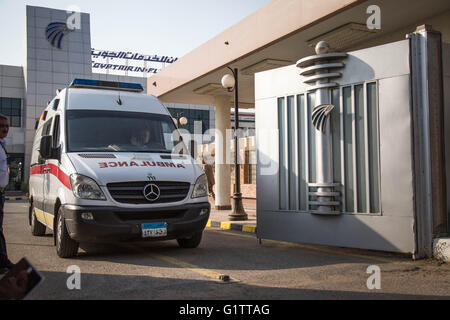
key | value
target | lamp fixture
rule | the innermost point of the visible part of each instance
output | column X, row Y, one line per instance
column 183, row 121
column 228, row 82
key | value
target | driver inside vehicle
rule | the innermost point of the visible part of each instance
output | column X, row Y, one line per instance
column 140, row 137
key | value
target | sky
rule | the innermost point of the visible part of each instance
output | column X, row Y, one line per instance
column 168, row 28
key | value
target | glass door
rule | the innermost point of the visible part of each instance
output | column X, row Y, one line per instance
column 15, row 164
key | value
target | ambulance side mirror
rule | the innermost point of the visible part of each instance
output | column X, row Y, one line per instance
column 45, row 149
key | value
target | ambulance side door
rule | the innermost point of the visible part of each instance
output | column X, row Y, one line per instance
column 37, row 173
column 51, row 181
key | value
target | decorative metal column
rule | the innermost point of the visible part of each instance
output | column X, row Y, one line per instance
column 324, row 195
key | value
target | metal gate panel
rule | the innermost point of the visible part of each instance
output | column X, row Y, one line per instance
column 392, row 229
column 446, row 85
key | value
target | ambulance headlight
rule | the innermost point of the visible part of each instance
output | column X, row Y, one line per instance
column 200, row 187
column 85, row 188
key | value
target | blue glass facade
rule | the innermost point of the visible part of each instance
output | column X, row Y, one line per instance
column 193, row 115
column 11, row 107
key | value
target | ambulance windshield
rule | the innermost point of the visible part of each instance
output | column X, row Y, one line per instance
column 118, row 131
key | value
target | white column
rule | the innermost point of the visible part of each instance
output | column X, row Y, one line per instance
column 222, row 148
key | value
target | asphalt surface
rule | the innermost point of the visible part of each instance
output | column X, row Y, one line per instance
column 270, row 270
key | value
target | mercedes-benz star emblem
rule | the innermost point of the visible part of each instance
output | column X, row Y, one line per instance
column 151, row 192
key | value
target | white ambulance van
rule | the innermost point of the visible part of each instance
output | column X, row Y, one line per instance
column 108, row 165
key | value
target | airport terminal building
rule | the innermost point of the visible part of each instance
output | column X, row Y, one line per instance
column 55, row 55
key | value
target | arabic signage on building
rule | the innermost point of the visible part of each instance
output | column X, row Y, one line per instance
column 128, row 63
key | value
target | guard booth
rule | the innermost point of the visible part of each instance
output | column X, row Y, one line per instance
column 351, row 147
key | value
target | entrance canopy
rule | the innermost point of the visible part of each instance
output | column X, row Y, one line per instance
column 281, row 33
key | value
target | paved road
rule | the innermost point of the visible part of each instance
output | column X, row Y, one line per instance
column 271, row 270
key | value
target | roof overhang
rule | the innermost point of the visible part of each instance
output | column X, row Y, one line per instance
column 279, row 34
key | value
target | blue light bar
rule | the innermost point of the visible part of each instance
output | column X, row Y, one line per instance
column 110, row 85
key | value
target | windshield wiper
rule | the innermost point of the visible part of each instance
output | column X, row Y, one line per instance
column 91, row 150
column 152, row 151
column 121, row 151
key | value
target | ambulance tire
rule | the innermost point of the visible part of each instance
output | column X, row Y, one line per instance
column 191, row 242
column 37, row 228
column 66, row 247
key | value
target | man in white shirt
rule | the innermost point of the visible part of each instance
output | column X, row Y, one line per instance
column 5, row 263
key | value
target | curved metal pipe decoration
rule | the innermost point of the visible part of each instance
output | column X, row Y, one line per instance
column 319, row 73
column 320, row 115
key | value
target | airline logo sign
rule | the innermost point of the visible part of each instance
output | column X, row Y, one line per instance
column 128, row 62
column 55, row 32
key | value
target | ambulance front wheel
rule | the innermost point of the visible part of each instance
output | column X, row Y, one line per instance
column 191, row 242
column 37, row 228
column 66, row 247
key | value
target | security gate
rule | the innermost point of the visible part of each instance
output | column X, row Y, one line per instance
column 338, row 158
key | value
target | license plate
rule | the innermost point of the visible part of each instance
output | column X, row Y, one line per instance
column 151, row 230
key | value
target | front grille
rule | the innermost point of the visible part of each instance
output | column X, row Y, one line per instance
column 132, row 192
column 150, row 215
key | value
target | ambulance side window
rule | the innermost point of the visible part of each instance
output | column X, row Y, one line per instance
column 45, row 132
column 56, row 132
column 46, row 128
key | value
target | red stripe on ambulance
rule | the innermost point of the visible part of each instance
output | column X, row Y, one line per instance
column 54, row 170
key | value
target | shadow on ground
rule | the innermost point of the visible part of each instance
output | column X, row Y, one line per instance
column 106, row 287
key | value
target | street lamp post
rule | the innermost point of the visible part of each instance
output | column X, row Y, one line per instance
column 182, row 121
column 231, row 83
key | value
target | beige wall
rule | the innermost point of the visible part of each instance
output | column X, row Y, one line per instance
column 440, row 23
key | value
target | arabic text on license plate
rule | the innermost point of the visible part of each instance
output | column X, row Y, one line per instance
column 154, row 229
